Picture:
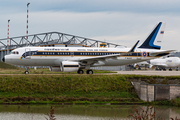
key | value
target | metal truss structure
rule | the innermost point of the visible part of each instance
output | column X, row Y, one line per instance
column 51, row 39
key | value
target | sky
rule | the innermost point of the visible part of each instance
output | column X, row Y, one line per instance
column 116, row 21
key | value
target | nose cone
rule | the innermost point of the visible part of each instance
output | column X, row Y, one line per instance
column 3, row 59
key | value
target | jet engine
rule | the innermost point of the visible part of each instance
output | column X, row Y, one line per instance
column 135, row 66
column 67, row 66
column 151, row 66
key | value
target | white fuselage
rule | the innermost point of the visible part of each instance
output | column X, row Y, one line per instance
column 53, row 56
column 170, row 62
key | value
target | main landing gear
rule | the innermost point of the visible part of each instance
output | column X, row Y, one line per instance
column 87, row 72
column 80, row 71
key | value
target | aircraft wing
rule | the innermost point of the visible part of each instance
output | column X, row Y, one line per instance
column 100, row 58
column 93, row 60
column 162, row 52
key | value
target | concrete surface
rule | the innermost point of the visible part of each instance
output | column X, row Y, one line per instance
column 157, row 73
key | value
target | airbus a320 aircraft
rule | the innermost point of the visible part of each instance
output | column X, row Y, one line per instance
column 69, row 59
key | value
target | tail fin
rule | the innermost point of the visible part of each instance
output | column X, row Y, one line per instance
column 153, row 41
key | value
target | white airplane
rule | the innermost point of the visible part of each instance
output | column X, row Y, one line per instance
column 163, row 63
column 69, row 59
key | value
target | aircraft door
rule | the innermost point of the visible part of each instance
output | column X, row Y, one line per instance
column 72, row 54
column 139, row 56
column 28, row 53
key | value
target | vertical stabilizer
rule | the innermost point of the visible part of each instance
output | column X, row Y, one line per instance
column 154, row 40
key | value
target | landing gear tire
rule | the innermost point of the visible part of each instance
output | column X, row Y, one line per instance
column 89, row 72
column 170, row 69
column 80, row 71
column 26, row 72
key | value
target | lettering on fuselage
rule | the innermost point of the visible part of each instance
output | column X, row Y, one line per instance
column 53, row 49
column 128, row 57
column 169, row 60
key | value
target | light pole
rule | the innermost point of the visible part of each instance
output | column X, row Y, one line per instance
column 27, row 24
column 8, row 38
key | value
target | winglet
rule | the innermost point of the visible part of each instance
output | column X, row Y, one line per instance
column 134, row 47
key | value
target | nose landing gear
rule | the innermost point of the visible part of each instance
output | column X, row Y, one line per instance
column 26, row 72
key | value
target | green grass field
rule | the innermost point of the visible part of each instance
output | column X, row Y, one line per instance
column 66, row 88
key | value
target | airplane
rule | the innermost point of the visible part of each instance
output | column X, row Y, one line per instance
column 71, row 59
column 163, row 63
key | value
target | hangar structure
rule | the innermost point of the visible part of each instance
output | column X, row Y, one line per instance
column 51, row 39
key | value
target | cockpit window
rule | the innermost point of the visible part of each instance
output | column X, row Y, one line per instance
column 14, row 52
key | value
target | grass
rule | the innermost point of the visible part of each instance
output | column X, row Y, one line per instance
column 55, row 87
column 62, row 88
column 6, row 66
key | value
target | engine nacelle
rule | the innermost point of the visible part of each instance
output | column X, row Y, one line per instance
column 67, row 66
column 151, row 66
column 135, row 66
column 55, row 69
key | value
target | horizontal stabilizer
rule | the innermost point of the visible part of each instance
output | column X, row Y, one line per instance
column 162, row 52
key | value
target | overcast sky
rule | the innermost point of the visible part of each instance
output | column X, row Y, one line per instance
column 116, row 21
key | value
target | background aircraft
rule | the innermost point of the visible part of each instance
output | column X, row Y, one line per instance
column 163, row 63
